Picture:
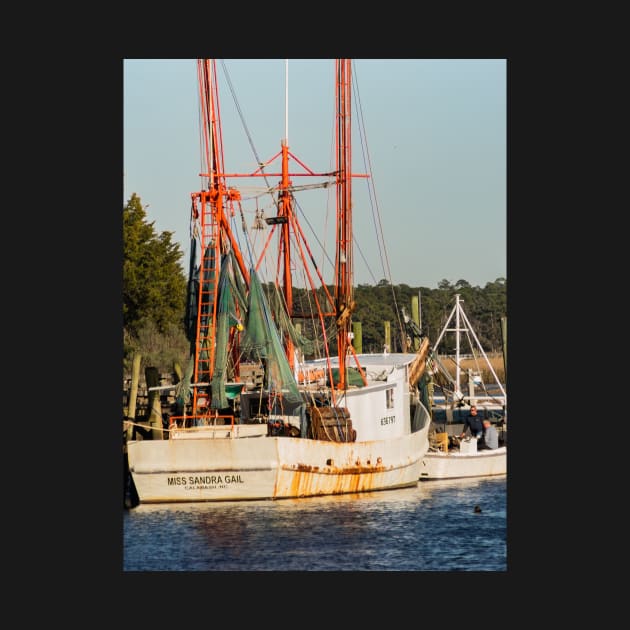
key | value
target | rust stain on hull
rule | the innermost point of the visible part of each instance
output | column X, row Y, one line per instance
column 333, row 470
column 303, row 480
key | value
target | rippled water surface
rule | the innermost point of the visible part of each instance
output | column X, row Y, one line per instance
column 457, row 525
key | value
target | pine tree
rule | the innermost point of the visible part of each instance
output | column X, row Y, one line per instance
column 154, row 287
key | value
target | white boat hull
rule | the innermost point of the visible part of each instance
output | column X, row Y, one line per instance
column 271, row 467
column 240, row 461
column 456, row 464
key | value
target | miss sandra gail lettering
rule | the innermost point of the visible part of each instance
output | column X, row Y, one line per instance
column 206, row 479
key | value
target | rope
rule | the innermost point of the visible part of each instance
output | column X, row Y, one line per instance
column 172, row 427
column 130, row 423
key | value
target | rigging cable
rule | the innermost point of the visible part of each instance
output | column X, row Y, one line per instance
column 376, row 215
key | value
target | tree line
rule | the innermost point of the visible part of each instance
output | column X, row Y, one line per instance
column 154, row 300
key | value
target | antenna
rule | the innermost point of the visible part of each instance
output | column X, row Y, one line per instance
column 286, row 101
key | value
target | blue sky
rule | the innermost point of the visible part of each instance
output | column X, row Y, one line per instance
column 436, row 139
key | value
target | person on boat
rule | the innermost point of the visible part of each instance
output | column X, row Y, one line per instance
column 490, row 437
column 473, row 423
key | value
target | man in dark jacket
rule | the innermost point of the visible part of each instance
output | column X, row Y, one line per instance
column 473, row 422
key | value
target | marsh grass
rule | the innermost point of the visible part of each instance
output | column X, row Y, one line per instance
column 479, row 364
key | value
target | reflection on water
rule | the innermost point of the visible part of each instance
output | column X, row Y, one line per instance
column 432, row 527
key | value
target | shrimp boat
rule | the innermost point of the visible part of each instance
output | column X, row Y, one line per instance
column 450, row 457
column 275, row 402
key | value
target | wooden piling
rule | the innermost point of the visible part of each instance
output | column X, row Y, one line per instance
column 357, row 342
column 152, row 378
column 415, row 316
column 504, row 336
column 133, row 395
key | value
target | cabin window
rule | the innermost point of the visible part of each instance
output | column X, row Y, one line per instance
column 389, row 398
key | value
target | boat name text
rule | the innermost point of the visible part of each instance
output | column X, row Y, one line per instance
column 205, row 482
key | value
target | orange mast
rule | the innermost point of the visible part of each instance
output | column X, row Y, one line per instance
column 285, row 209
column 209, row 208
column 344, row 301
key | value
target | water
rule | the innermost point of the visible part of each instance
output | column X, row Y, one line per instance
column 433, row 527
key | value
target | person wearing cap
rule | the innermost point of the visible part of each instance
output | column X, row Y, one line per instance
column 490, row 437
column 472, row 422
